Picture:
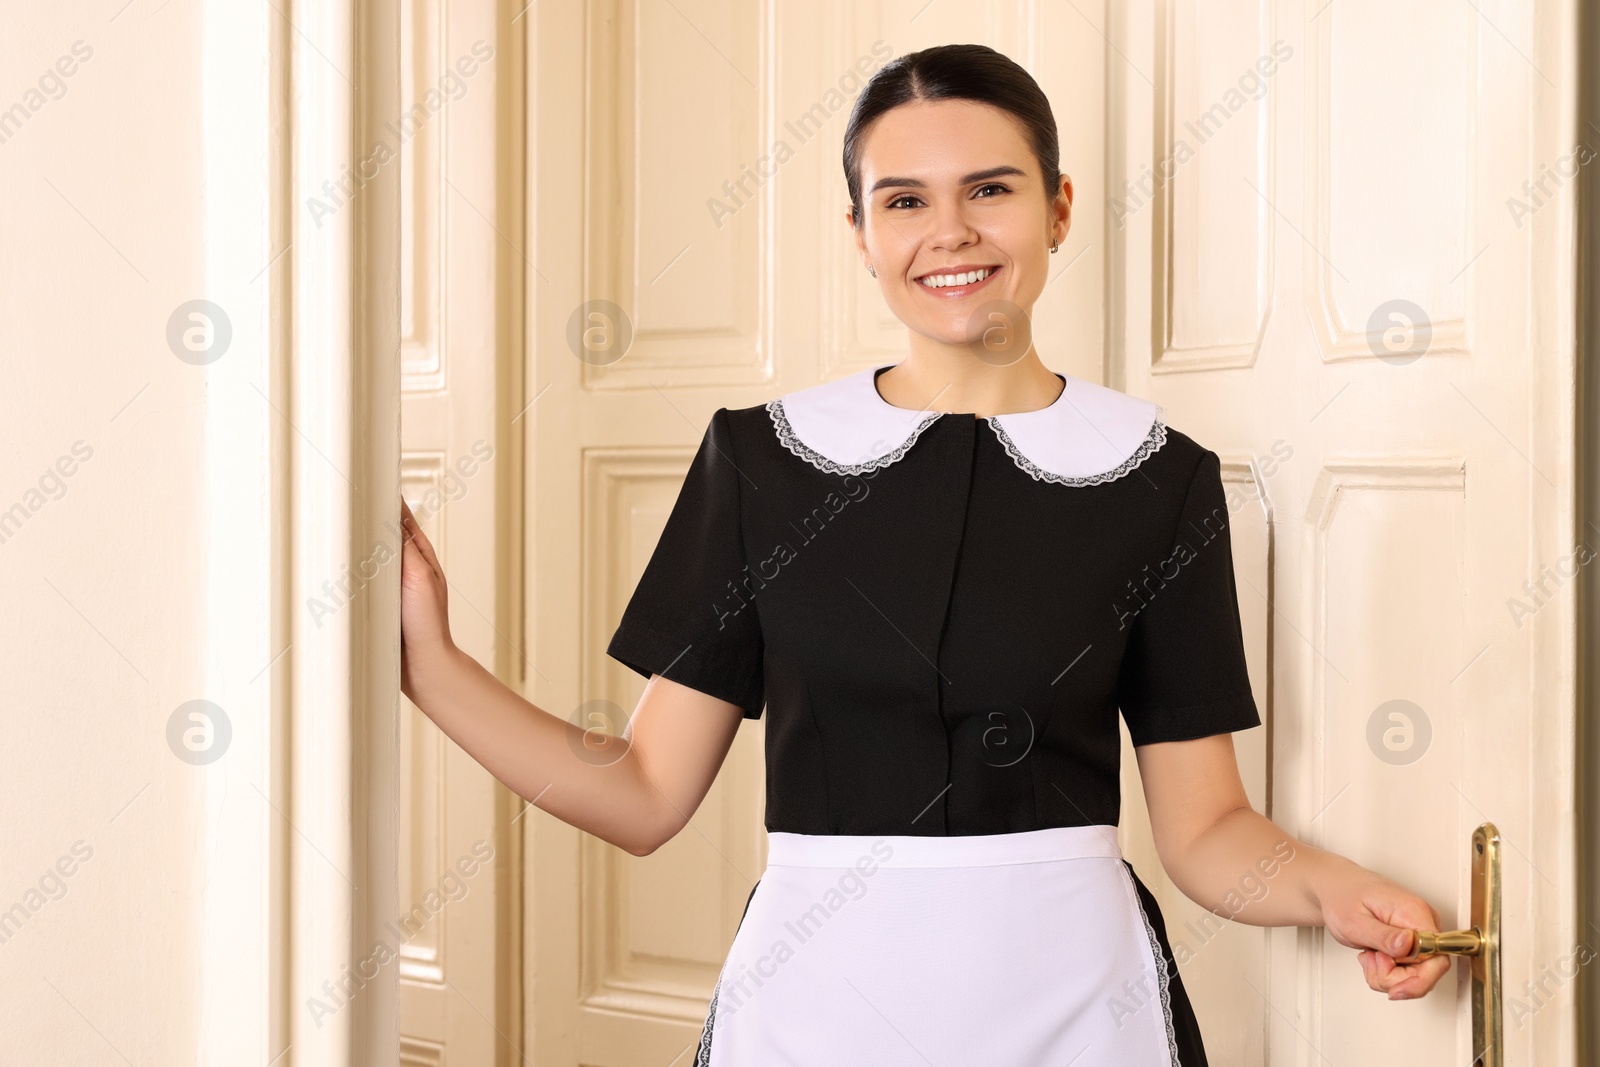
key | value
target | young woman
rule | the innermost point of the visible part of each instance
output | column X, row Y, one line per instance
column 942, row 579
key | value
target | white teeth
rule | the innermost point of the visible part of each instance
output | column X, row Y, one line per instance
column 940, row 281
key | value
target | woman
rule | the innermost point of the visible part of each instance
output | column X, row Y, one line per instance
column 943, row 578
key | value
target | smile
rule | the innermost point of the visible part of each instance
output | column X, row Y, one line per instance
column 957, row 281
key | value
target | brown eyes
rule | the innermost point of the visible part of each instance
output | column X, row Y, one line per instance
column 987, row 191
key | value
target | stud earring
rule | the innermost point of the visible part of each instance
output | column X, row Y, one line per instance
column 871, row 271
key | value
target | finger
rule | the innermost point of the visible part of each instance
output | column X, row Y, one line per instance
column 1418, row 984
column 1417, row 979
column 1368, row 970
column 408, row 521
column 1368, row 931
column 413, row 561
column 1379, row 971
column 1434, row 970
column 1401, row 910
column 1409, row 991
column 1383, row 968
column 420, row 539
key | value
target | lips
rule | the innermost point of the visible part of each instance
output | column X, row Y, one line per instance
column 958, row 279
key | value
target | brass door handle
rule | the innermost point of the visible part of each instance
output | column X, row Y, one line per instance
column 1480, row 942
column 1427, row 943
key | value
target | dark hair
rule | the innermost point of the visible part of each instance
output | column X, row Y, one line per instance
column 955, row 72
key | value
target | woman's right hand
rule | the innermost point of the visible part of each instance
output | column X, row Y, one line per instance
column 424, row 607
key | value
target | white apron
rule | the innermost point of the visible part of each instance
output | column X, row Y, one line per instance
column 1026, row 948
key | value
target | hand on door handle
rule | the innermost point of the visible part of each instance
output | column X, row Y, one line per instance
column 1366, row 911
column 1427, row 943
column 1481, row 944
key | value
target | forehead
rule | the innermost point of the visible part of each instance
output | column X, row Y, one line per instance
column 932, row 139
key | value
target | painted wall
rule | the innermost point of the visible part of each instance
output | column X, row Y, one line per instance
column 103, row 532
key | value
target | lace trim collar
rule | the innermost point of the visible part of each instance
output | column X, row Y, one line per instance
column 1090, row 434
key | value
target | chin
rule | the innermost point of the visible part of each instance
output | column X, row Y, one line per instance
column 959, row 329
column 955, row 338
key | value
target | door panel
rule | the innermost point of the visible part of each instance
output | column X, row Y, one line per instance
column 688, row 173
column 1256, row 183
column 460, row 862
column 1343, row 272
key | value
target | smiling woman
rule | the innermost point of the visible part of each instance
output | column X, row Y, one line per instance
column 956, row 200
column 942, row 672
column 1004, row 925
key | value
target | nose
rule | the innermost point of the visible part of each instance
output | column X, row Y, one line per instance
column 951, row 227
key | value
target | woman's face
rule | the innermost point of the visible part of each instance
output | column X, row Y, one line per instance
column 956, row 221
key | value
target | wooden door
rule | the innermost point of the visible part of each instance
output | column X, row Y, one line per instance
column 688, row 208
column 1330, row 269
column 1263, row 191
column 458, row 931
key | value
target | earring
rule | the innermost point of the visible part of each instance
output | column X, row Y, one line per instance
column 1054, row 245
column 871, row 271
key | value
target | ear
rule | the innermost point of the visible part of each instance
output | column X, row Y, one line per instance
column 859, row 235
column 1061, row 210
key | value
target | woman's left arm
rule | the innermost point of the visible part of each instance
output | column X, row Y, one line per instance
column 1234, row 861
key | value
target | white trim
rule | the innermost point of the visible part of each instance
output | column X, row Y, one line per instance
column 1088, row 435
column 1151, row 443
column 1158, row 961
column 298, row 856
column 844, row 426
column 343, row 391
column 791, row 440
column 238, row 856
column 702, row 1055
column 319, row 840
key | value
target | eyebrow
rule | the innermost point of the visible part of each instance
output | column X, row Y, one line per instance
column 966, row 179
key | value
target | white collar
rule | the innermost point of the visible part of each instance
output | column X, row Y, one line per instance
column 1090, row 434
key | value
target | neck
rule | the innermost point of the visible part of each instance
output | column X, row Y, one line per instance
column 969, row 379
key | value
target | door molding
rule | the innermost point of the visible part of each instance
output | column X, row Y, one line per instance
column 298, row 847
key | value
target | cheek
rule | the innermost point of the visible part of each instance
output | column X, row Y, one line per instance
column 1027, row 250
column 1019, row 233
column 889, row 247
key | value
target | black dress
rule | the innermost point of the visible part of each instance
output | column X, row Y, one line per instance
column 942, row 615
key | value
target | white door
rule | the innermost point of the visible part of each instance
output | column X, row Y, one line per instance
column 460, row 858
column 685, row 203
column 1330, row 270
column 687, row 207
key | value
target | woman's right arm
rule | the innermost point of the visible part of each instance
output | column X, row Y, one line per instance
column 635, row 791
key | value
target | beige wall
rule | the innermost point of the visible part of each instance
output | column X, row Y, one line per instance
column 173, row 890
column 102, row 532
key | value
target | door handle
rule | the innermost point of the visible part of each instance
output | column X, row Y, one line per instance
column 1480, row 943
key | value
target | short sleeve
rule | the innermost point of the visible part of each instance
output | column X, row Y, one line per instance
column 1184, row 673
column 691, row 617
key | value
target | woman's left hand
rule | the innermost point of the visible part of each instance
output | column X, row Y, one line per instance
column 1364, row 910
